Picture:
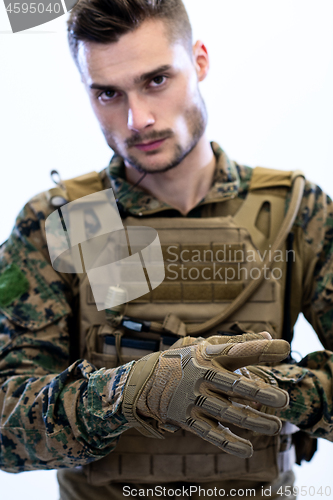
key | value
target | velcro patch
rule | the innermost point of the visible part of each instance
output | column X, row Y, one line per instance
column 13, row 284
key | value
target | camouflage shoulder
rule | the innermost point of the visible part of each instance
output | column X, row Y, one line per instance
column 104, row 176
column 313, row 203
column 245, row 175
column 41, row 205
column 28, row 225
column 30, row 221
column 27, row 280
column 315, row 216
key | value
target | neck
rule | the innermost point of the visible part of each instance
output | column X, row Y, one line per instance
column 184, row 186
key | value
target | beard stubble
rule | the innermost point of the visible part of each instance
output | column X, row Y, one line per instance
column 196, row 121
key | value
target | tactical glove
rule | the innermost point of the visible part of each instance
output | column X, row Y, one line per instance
column 192, row 387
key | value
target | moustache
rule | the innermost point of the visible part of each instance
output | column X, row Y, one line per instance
column 153, row 136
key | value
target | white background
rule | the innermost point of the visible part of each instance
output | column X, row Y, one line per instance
column 269, row 97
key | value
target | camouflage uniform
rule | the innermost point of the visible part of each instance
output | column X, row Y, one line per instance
column 58, row 411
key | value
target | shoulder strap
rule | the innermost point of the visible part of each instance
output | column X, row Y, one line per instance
column 263, row 180
column 83, row 185
column 269, row 178
column 75, row 188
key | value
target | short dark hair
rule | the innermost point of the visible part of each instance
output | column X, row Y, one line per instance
column 105, row 21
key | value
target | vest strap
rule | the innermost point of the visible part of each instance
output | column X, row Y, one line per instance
column 174, row 325
column 263, row 178
column 74, row 188
column 248, row 214
column 83, row 185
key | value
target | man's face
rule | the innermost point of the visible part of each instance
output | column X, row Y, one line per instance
column 144, row 92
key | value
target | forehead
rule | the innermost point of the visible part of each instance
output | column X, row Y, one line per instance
column 135, row 53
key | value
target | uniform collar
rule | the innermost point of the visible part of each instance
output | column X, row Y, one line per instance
column 136, row 201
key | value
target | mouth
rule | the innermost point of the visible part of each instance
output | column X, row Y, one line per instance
column 149, row 146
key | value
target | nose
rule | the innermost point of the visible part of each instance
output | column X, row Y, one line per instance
column 139, row 115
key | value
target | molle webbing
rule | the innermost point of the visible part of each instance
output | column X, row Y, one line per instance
column 197, row 290
column 183, row 456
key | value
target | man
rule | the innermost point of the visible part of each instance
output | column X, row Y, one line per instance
column 143, row 88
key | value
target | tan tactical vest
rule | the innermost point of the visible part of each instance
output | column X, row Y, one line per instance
column 209, row 262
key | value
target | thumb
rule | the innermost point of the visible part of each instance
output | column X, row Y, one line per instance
column 232, row 356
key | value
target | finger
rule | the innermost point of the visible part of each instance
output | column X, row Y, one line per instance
column 260, row 392
column 240, row 415
column 234, row 356
column 234, row 339
column 263, row 393
column 220, row 436
column 266, row 335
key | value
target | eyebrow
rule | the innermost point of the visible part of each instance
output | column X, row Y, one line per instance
column 139, row 79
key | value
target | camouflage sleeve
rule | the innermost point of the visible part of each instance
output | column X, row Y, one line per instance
column 53, row 414
column 310, row 387
column 310, row 382
column 316, row 221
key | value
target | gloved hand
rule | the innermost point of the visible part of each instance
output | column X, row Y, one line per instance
column 192, row 387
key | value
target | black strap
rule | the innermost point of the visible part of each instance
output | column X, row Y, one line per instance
column 287, row 330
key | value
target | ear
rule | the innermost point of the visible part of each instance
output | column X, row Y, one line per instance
column 201, row 60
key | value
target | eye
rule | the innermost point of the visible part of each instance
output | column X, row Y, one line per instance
column 158, row 81
column 107, row 95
